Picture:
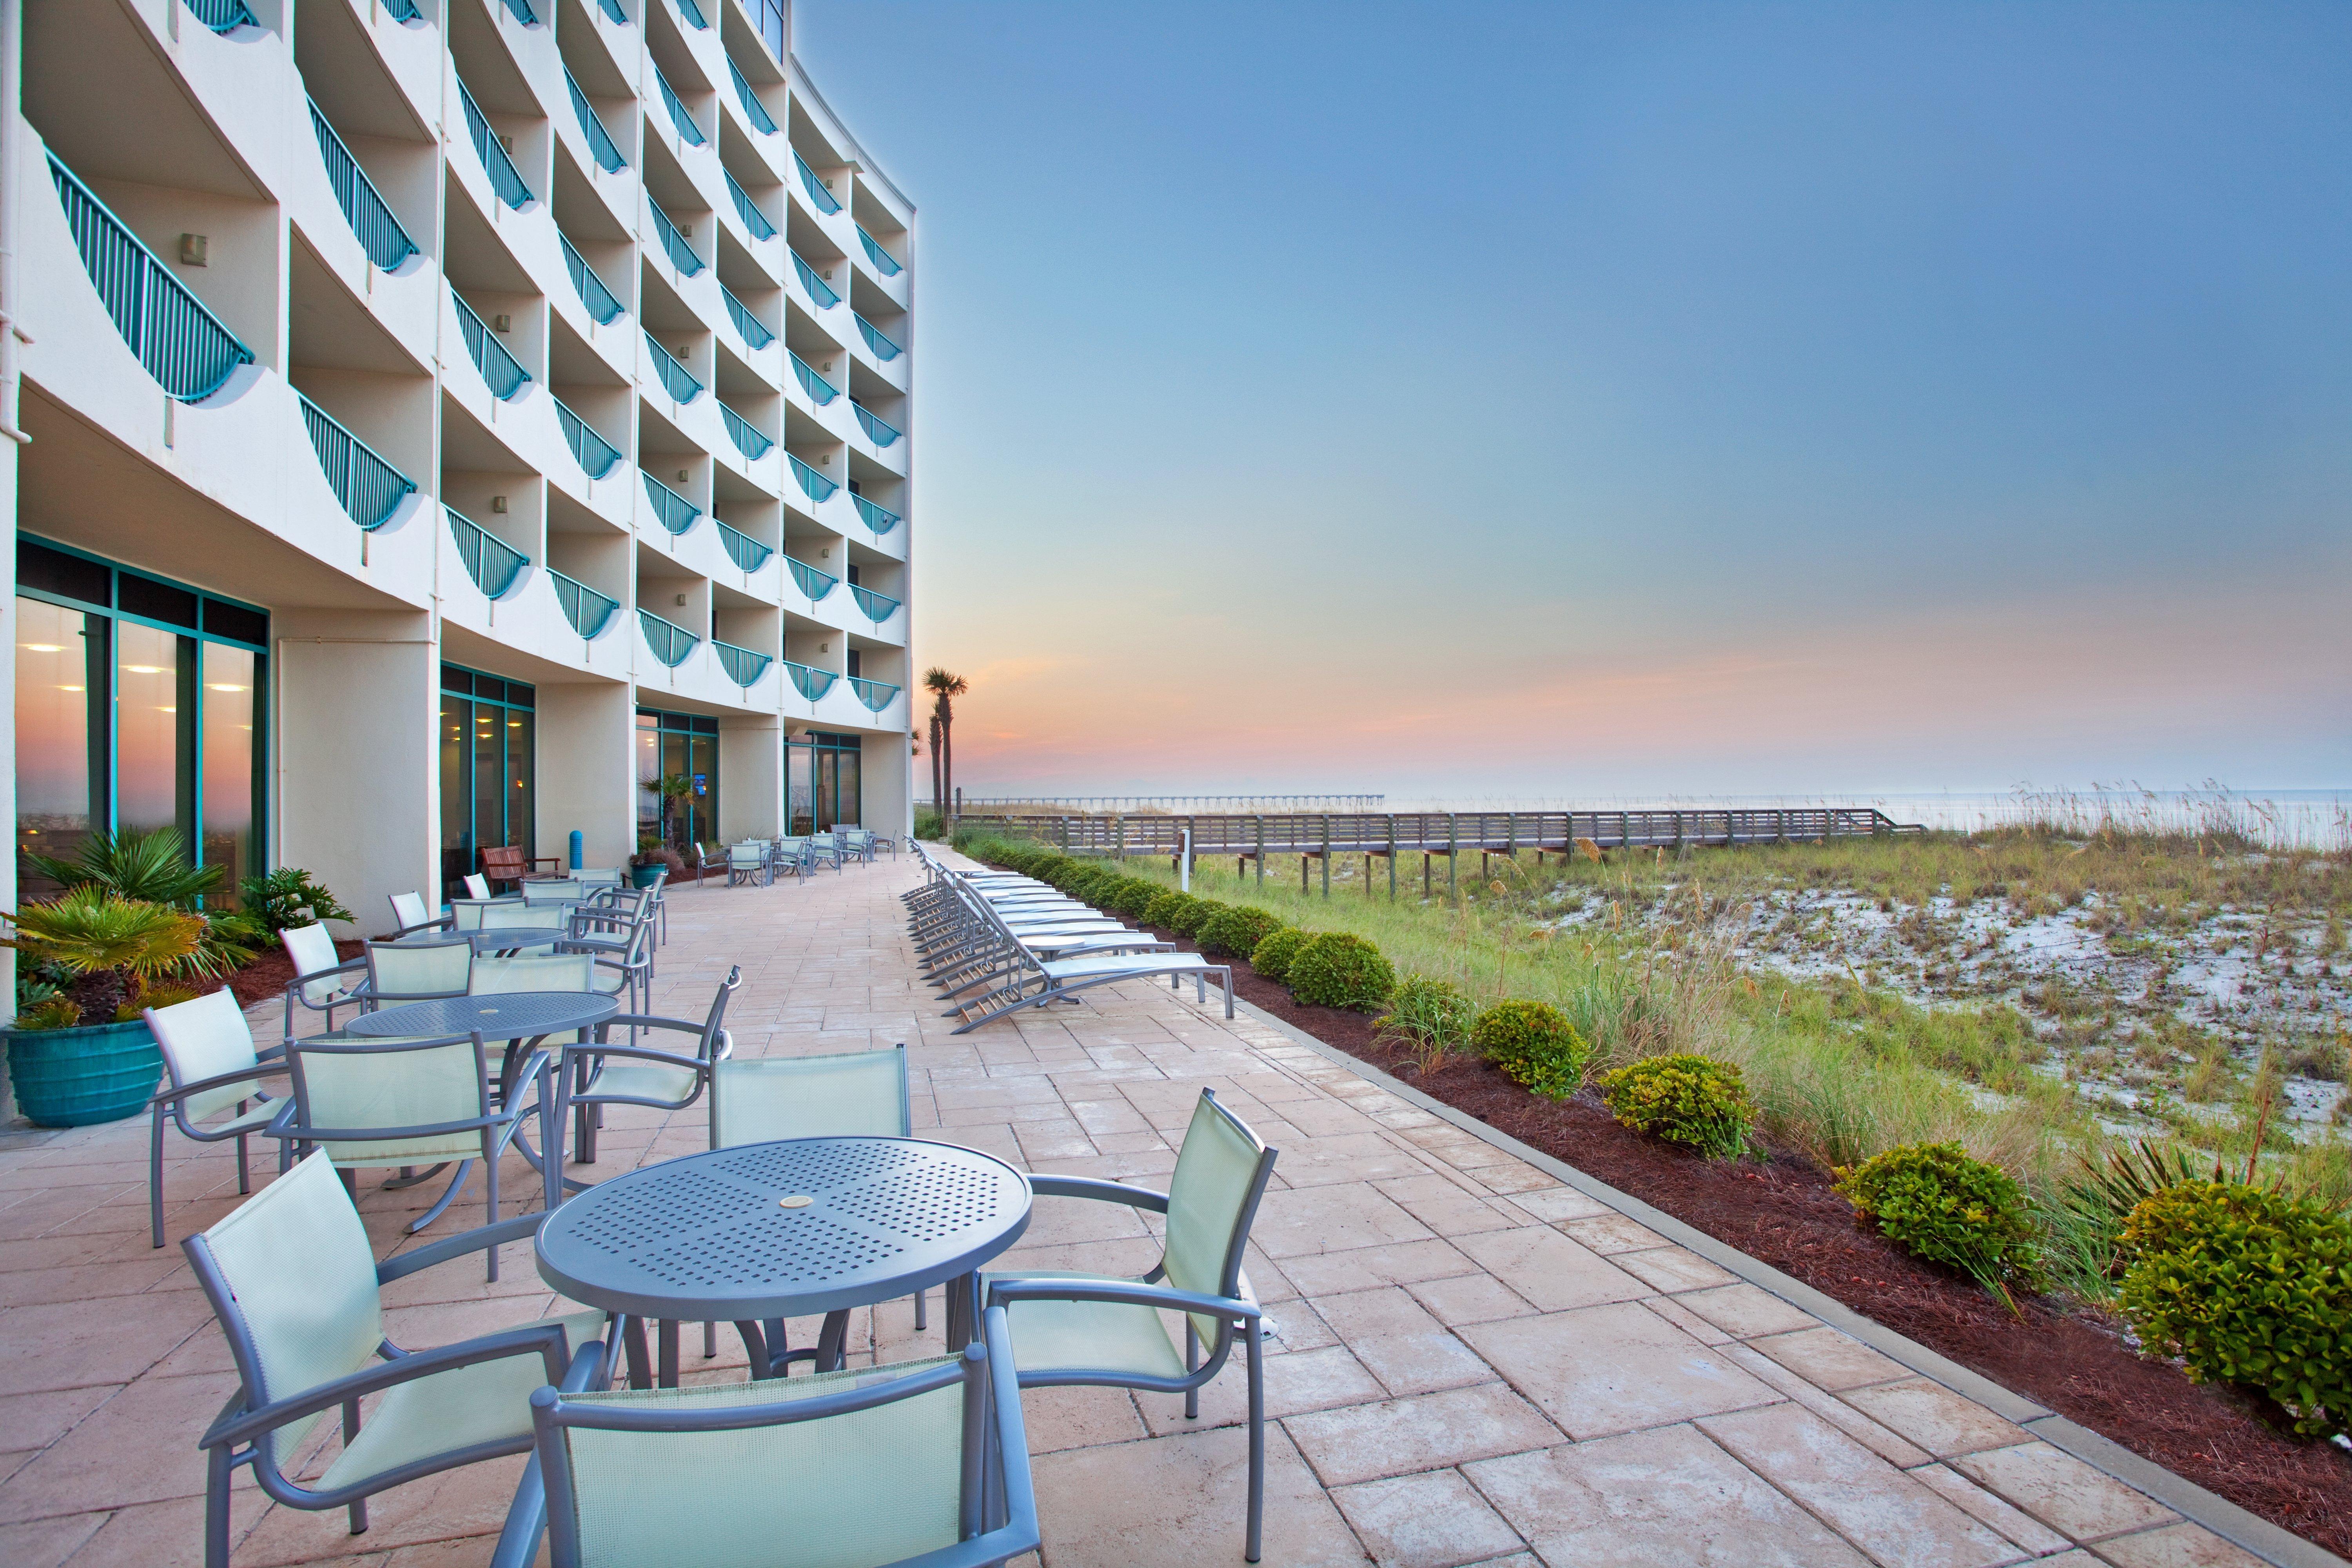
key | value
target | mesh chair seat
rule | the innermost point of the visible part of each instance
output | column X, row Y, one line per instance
column 1099, row 1336
column 252, row 1120
column 644, row 1081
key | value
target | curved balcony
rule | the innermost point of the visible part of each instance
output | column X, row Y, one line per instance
column 693, row 14
column 681, row 254
column 812, row 684
column 224, row 16
column 670, row 644
column 821, row 391
column 676, row 379
column 818, row 288
column 813, row 584
column 878, row 608
column 521, row 11
column 182, row 344
column 688, row 130
column 490, row 561
column 380, row 234
column 880, row 434
column 602, row 305
column 505, row 178
column 881, row 519
column 589, row 611
column 595, row 455
column 753, row 109
column 402, row 11
column 370, row 488
column 599, row 140
column 876, row 694
column 814, row 485
column 613, row 11
column 754, row 218
column 824, row 200
column 742, row 549
column 883, row 262
column 884, row 348
column 748, row 440
column 754, row 330
column 743, row 666
column 503, row 372
column 676, row 512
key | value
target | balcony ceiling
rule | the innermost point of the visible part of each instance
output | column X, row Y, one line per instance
column 80, row 56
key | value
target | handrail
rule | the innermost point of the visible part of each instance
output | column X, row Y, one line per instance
column 884, row 348
column 693, row 13
column 675, row 377
column 521, row 11
column 739, row 663
column 499, row 368
column 671, row 643
column 754, row 218
column 881, row 519
column 592, row 126
column 370, row 488
column 755, row 331
column 821, row 391
column 813, row 484
column 497, row 162
column 753, row 109
column 580, row 602
column 613, row 8
column 406, row 10
column 877, row 431
column 878, row 608
column 224, row 16
column 745, row 551
column 812, row 684
column 818, row 288
column 379, row 233
column 602, row 305
column 876, row 694
column 826, row 202
column 681, row 254
column 491, row 561
column 676, row 512
column 806, row 577
column 595, row 455
column 688, row 130
column 189, row 351
column 883, row 262
column 748, row 441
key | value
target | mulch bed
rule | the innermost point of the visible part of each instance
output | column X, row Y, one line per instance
column 266, row 977
column 1781, row 1211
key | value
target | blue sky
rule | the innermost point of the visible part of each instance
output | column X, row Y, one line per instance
column 1554, row 399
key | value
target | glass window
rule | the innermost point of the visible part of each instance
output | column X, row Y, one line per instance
column 519, row 779
column 457, row 809
column 56, row 768
column 650, row 806
column 231, row 677
column 153, row 771
column 489, row 780
column 800, row 787
column 846, row 794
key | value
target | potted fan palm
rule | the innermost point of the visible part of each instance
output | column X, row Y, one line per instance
column 79, row 1051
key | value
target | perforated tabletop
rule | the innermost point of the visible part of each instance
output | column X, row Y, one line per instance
column 712, row 1236
column 499, row 1016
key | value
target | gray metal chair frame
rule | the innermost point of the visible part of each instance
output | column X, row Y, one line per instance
column 582, row 1063
column 1033, row 981
column 269, row 1062
column 608, row 927
column 373, row 998
column 750, row 865
column 403, row 921
column 348, row 998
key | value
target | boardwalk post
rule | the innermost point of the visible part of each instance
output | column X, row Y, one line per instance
column 1453, row 848
column 1327, row 853
column 1260, row 850
column 1392, row 859
column 1118, row 830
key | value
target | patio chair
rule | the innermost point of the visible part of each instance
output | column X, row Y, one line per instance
column 554, row 890
column 1031, row 981
column 415, row 972
column 595, row 877
column 794, row 858
column 317, row 967
column 510, row 914
column 918, row 1463
column 299, row 1296
column 856, row 844
column 747, row 865
column 210, row 1066
column 593, row 1075
column 1072, row 1329
column 828, row 848
column 509, row 863
column 476, row 886
column 607, row 925
column 410, row 915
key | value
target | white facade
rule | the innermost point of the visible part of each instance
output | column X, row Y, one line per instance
column 610, row 291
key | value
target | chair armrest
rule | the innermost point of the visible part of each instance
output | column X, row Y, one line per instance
column 1127, row 1292
column 638, row 1021
column 1107, row 1191
column 639, row 1053
column 403, row 1264
column 517, row 1545
column 220, row 1081
column 443, row 922
column 544, row 1340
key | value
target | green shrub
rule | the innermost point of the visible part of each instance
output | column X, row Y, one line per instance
column 1196, row 914
column 1937, row 1203
column 928, row 824
column 1167, row 909
column 288, row 897
column 1272, row 955
column 2251, row 1287
column 1431, row 1016
column 1693, row 1101
column 1129, row 896
column 1340, row 969
column 1087, row 883
column 1535, row 1045
column 1236, row 930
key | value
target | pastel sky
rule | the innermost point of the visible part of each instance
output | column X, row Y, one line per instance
column 1557, row 400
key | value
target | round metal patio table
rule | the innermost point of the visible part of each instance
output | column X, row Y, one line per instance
column 762, row 1232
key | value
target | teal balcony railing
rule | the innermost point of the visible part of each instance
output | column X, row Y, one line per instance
column 676, row 512
column 370, row 488
column 491, row 561
column 877, row 431
column 741, row 548
column 818, row 288
column 183, row 345
column 589, row 611
column 224, row 16
column 592, row 126
column 875, row 694
column 813, row 584
column 612, row 9
column 878, row 608
column 602, row 303
column 815, row 485
column 743, row 666
column 821, row 391
column 693, row 14
column 753, row 109
column 501, row 370
column 754, row 218
column 521, row 11
column 753, row 331
column 881, row 519
column 676, row 379
column 497, row 162
column 681, row 254
column 688, row 130
column 379, row 233
column 815, row 187
column 810, row 683
column 748, row 441
column 596, row 456
column 884, row 348
column 883, row 262
column 402, row 11
column 670, row 644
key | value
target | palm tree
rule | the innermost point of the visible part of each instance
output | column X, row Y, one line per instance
column 939, row 805
column 945, row 687
column 115, row 948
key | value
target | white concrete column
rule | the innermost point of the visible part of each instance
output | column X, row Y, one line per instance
column 588, row 771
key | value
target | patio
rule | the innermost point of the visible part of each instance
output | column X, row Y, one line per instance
column 1472, row 1362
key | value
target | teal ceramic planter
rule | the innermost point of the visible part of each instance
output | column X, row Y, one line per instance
column 644, row 876
column 74, row 1078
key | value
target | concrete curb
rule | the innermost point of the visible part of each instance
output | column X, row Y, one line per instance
column 2192, row 1501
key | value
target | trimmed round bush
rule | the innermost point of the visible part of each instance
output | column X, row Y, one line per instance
column 1340, row 969
column 1189, row 919
column 2247, row 1285
column 1236, row 930
column 1164, row 911
column 1535, row 1045
column 1693, row 1101
column 1938, row 1203
column 1087, row 885
column 1129, row 896
column 1272, row 955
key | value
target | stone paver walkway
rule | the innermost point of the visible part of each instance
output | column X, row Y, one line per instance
column 1472, row 1362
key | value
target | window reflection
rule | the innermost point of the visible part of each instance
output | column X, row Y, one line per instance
column 54, row 764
